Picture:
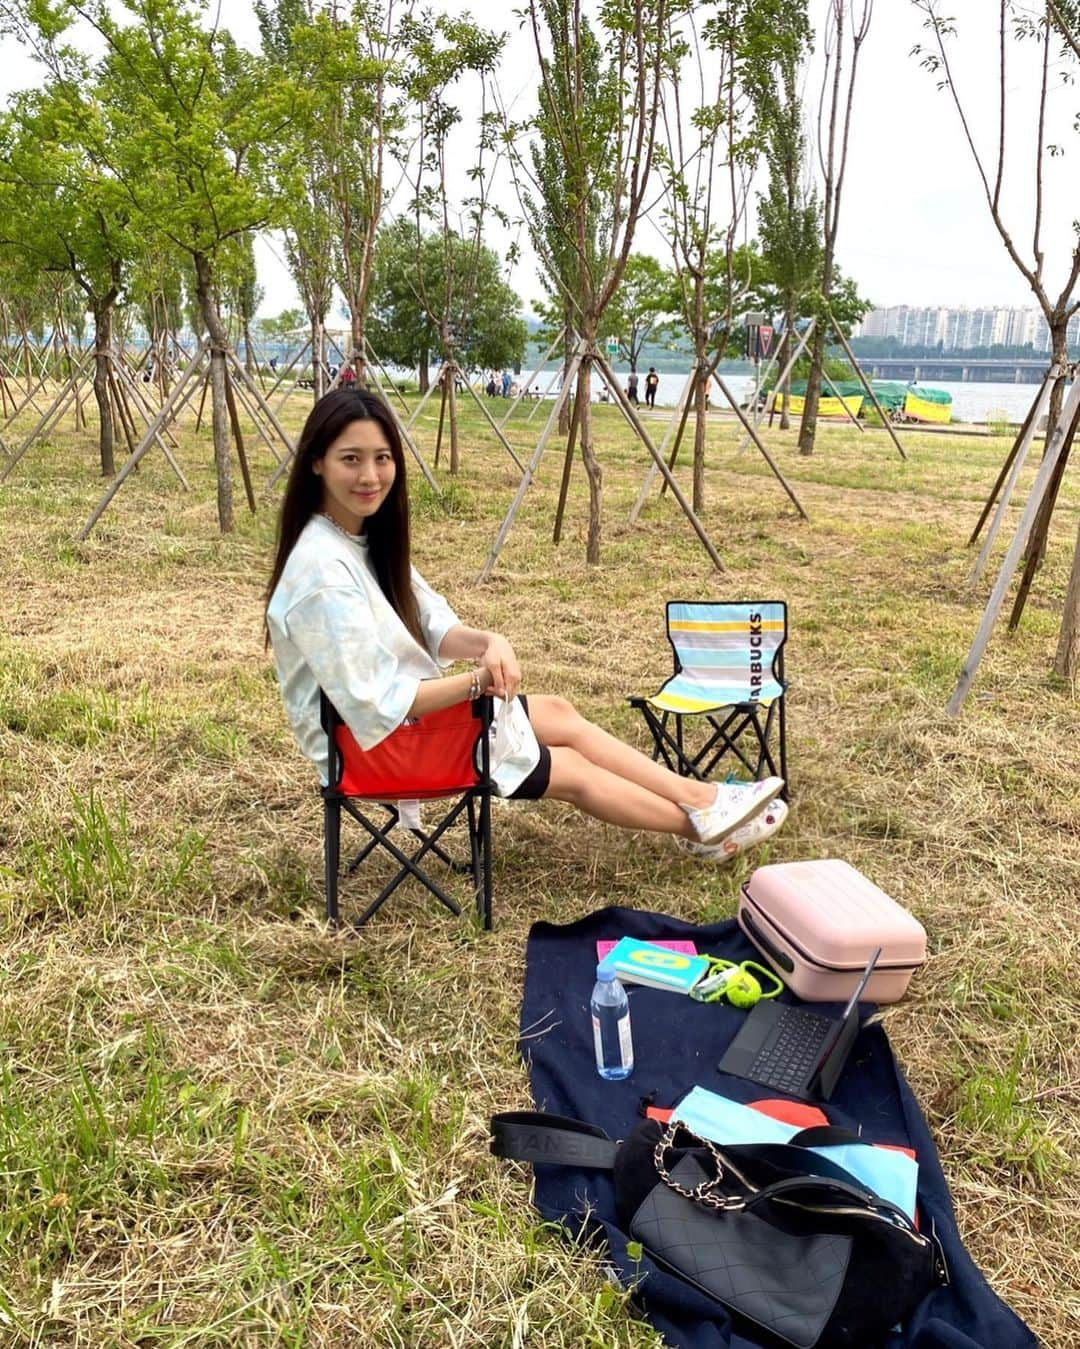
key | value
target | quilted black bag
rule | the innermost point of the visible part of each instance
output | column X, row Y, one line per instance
column 784, row 1239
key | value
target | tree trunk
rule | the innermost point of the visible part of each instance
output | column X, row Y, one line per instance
column 701, row 386
column 1067, row 660
column 318, row 353
column 808, row 425
column 204, row 289
column 588, row 458
column 423, row 378
column 249, row 354
column 1059, row 355
column 106, row 432
column 701, row 407
column 568, row 356
column 359, row 348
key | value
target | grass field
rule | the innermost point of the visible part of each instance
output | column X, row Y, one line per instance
column 222, row 1125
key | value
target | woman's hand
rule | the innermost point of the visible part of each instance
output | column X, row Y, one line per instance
column 502, row 665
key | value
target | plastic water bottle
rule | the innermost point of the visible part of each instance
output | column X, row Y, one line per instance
column 610, row 1010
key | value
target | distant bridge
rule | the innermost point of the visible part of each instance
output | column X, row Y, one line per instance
column 964, row 370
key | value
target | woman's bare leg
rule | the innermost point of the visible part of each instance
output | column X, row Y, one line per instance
column 611, row 797
column 558, row 723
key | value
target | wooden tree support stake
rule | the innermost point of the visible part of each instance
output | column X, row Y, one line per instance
column 1054, row 444
column 866, row 385
column 234, row 418
column 528, row 383
column 135, row 396
column 568, row 463
column 761, row 446
column 1036, row 548
column 531, row 467
column 1015, row 462
column 491, row 422
column 1019, row 446
column 658, row 459
column 770, row 401
column 678, row 417
column 148, row 439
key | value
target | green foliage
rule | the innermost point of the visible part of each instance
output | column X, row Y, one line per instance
column 60, row 211
column 171, row 120
column 644, row 298
column 330, row 162
column 594, row 128
column 414, row 293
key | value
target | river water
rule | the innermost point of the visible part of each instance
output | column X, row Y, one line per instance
column 971, row 402
column 974, row 402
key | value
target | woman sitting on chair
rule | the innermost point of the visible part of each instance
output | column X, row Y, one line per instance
column 347, row 613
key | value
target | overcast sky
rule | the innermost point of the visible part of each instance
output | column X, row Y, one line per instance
column 914, row 225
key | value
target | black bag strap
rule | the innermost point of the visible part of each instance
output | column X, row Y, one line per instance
column 551, row 1140
column 831, row 1190
column 824, row 1136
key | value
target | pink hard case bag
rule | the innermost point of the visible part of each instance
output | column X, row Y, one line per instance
column 816, row 924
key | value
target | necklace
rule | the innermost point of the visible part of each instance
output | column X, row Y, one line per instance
column 356, row 538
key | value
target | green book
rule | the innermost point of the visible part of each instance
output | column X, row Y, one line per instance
column 642, row 962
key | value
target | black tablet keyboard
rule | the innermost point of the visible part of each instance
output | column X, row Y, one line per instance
column 786, row 1059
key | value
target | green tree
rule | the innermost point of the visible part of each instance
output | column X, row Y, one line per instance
column 333, row 157
column 62, row 212
column 157, row 290
column 183, row 120
column 713, row 145
column 847, row 27
column 444, row 53
column 640, row 306
column 789, row 216
column 487, row 331
column 599, row 100
column 1054, row 29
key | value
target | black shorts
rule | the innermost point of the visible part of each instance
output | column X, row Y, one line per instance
column 536, row 784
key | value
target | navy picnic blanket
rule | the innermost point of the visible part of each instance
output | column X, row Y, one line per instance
column 677, row 1044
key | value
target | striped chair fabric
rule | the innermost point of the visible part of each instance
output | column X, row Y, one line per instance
column 724, row 654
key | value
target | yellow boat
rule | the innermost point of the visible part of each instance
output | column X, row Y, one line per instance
column 827, row 407
column 921, row 409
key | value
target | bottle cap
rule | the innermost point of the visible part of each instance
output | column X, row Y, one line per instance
column 604, row 973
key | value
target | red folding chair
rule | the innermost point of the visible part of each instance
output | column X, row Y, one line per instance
column 443, row 756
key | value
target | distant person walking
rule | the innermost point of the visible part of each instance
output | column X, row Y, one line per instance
column 631, row 388
column 652, row 380
column 506, row 379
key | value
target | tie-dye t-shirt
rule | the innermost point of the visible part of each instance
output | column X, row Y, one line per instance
column 331, row 627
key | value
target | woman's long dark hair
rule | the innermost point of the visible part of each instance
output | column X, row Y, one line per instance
column 387, row 531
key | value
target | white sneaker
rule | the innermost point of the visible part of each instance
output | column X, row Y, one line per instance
column 760, row 828
column 736, row 803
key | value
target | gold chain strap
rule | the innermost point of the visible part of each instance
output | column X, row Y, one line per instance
column 702, row 1193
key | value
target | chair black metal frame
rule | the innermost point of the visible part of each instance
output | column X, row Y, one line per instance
column 473, row 802
column 728, row 723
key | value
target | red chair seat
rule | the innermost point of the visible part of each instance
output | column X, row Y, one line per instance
column 429, row 757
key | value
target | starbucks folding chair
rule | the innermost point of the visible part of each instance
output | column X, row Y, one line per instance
column 726, row 696
column 442, row 759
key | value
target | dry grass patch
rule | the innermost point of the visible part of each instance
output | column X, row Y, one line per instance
column 222, row 1125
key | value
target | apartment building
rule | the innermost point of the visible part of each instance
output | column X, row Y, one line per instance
column 959, row 329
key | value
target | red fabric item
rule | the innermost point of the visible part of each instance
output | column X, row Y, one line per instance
column 431, row 756
column 787, row 1112
column 791, row 1112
